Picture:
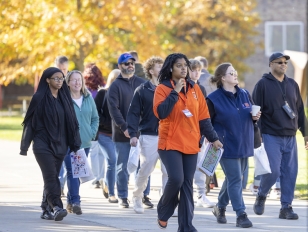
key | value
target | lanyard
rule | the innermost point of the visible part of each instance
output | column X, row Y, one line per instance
column 185, row 98
column 285, row 90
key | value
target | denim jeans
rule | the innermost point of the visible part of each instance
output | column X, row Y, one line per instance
column 108, row 148
column 97, row 161
column 62, row 175
column 73, row 184
column 122, row 152
column 282, row 156
column 232, row 187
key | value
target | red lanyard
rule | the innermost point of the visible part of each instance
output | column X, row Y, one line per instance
column 185, row 98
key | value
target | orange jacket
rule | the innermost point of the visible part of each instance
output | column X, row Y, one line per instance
column 177, row 131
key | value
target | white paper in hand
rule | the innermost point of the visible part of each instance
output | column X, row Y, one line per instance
column 261, row 161
column 210, row 159
column 133, row 159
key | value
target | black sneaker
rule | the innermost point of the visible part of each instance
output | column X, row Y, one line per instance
column 243, row 221
column 59, row 213
column 123, row 203
column 47, row 215
column 146, row 201
column 77, row 209
column 219, row 213
column 258, row 207
column 287, row 213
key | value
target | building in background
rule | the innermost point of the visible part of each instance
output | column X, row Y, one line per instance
column 283, row 28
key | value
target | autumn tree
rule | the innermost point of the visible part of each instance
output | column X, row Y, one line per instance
column 34, row 32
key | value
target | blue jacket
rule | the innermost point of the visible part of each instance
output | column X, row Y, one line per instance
column 88, row 119
column 231, row 118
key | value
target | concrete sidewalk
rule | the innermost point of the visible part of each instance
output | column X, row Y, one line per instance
column 21, row 189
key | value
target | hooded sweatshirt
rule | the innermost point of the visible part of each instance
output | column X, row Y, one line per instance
column 274, row 120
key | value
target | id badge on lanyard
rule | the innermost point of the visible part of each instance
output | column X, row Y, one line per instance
column 186, row 112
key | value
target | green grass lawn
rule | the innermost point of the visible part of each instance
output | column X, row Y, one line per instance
column 301, row 190
column 11, row 129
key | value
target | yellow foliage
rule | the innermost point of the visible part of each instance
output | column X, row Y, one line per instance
column 34, row 32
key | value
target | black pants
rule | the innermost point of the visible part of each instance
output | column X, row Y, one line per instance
column 181, row 169
column 50, row 166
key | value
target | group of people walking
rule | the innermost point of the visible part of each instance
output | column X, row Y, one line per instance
column 170, row 115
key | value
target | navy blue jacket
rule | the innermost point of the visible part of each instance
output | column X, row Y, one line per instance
column 274, row 120
column 140, row 115
column 119, row 97
column 231, row 118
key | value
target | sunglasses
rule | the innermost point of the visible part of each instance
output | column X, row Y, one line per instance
column 281, row 62
column 234, row 74
column 129, row 63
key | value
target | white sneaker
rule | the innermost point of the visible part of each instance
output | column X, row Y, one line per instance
column 204, row 202
column 253, row 190
column 175, row 213
column 275, row 194
column 138, row 207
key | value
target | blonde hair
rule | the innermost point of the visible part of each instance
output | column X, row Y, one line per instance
column 112, row 76
column 150, row 63
column 83, row 90
column 195, row 64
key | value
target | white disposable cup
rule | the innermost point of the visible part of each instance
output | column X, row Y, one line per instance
column 255, row 109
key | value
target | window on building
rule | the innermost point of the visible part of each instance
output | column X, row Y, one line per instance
column 280, row 36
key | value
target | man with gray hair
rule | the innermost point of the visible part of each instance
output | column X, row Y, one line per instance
column 61, row 62
column 205, row 76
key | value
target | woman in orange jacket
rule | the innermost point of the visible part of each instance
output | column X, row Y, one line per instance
column 183, row 113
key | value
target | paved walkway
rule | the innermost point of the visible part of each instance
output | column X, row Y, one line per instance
column 20, row 193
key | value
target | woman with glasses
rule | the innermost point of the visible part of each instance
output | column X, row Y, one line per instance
column 87, row 116
column 230, row 109
column 51, row 124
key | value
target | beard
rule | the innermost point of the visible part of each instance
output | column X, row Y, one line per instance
column 127, row 71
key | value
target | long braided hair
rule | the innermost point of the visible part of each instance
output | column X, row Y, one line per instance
column 165, row 72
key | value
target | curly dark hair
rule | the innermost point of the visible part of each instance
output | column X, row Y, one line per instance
column 165, row 72
column 93, row 77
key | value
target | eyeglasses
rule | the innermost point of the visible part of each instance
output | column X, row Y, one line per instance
column 281, row 62
column 57, row 79
column 233, row 73
column 129, row 63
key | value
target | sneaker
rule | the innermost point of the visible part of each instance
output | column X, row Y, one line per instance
column 77, row 209
column 138, row 207
column 105, row 188
column 146, row 201
column 243, row 221
column 287, row 213
column 96, row 184
column 113, row 199
column 59, row 213
column 69, row 208
column 161, row 224
column 175, row 213
column 258, row 207
column 204, row 202
column 124, row 203
column 275, row 194
column 254, row 189
column 219, row 213
column 47, row 215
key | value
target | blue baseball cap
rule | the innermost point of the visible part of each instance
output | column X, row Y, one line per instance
column 125, row 57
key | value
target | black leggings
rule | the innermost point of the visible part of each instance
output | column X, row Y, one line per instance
column 181, row 169
column 50, row 167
